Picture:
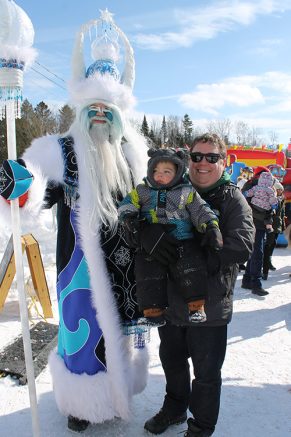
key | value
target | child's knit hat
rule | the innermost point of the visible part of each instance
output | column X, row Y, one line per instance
column 160, row 155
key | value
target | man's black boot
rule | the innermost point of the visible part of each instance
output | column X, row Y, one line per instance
column 271, row 267
column 195, row 431
column 77, row 425
column 259, row 291
column 162, row 420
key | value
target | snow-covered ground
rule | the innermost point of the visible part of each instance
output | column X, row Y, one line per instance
column 256, row 394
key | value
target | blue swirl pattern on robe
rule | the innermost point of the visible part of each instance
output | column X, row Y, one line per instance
column 79, row 332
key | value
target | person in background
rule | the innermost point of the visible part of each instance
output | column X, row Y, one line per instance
column 253, row 274
column 246, row 173
column 204, row 343
column 264, row 198
column 168, row 198
column 278, row 226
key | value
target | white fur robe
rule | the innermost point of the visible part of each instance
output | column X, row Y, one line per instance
column 107, row 394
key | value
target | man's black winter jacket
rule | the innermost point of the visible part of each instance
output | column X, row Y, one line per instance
column 238, row 231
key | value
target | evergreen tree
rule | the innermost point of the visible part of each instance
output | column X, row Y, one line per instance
column 3, row 140
column 164, row 131
column 188, row 128
column 174, row 131
column 152, row 140
column 145, row 127
column 152, row 135
column 66, row 117
column 46, row 122
column 25, row 127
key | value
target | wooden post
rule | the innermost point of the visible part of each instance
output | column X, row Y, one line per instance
column 7, row 273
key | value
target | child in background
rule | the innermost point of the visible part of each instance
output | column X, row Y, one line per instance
column 246, row 173
column 263, row 198
column 168, row 198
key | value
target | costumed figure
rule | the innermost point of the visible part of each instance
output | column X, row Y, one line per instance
column 96, row 367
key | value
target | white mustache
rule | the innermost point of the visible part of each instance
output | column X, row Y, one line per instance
column 99, row 117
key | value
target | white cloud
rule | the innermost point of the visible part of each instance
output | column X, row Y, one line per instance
column 210, row 98
column 277, row 81
column 271, row 89
column 205, row 23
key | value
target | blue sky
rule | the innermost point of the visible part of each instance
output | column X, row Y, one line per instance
column 210, row 59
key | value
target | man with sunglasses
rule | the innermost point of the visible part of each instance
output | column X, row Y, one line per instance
column 205, row 343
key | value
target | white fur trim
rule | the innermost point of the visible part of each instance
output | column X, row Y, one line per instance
column 87, row 397
column 45, row 156
column 90, row 397
column 98, row 87
column 24, row 54
column 135, row 151
column 139, row 370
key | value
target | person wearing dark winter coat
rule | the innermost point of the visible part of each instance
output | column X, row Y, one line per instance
column 167, row 198
column 278, row 227
column 253, row 273
column 204, row 343
column 263, row 198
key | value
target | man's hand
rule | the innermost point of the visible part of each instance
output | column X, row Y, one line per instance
column 212, row 238
column 213, row 242
column 156, row 241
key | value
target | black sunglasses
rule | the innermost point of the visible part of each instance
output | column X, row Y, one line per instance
column 212, row 158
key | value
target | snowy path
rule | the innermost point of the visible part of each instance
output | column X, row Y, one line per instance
column 256, row 395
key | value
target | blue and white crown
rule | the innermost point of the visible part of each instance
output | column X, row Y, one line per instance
column 101, row 81
column 103, row 66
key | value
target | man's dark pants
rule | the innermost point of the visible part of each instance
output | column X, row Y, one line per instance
column 253, row 273
column 206, row 346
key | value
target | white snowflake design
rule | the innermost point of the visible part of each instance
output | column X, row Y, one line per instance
column 122, row 256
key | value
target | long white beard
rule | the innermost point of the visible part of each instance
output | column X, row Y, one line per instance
column 108, row 174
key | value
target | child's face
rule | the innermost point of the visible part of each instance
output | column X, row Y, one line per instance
column 164, row 172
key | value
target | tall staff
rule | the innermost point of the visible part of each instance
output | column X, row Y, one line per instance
column 16, row 52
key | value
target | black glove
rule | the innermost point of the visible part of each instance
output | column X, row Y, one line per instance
column 213, row 261
column 212, row 238
column 156, row 241
column 131, row 226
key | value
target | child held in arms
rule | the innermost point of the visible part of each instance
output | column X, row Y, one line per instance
column 263, row 198
column 167, row 199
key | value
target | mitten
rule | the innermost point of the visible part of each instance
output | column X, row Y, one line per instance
column 131, row 226
column 213, row 261
column 15, row 179
column 212, row 237
column 158, row 243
